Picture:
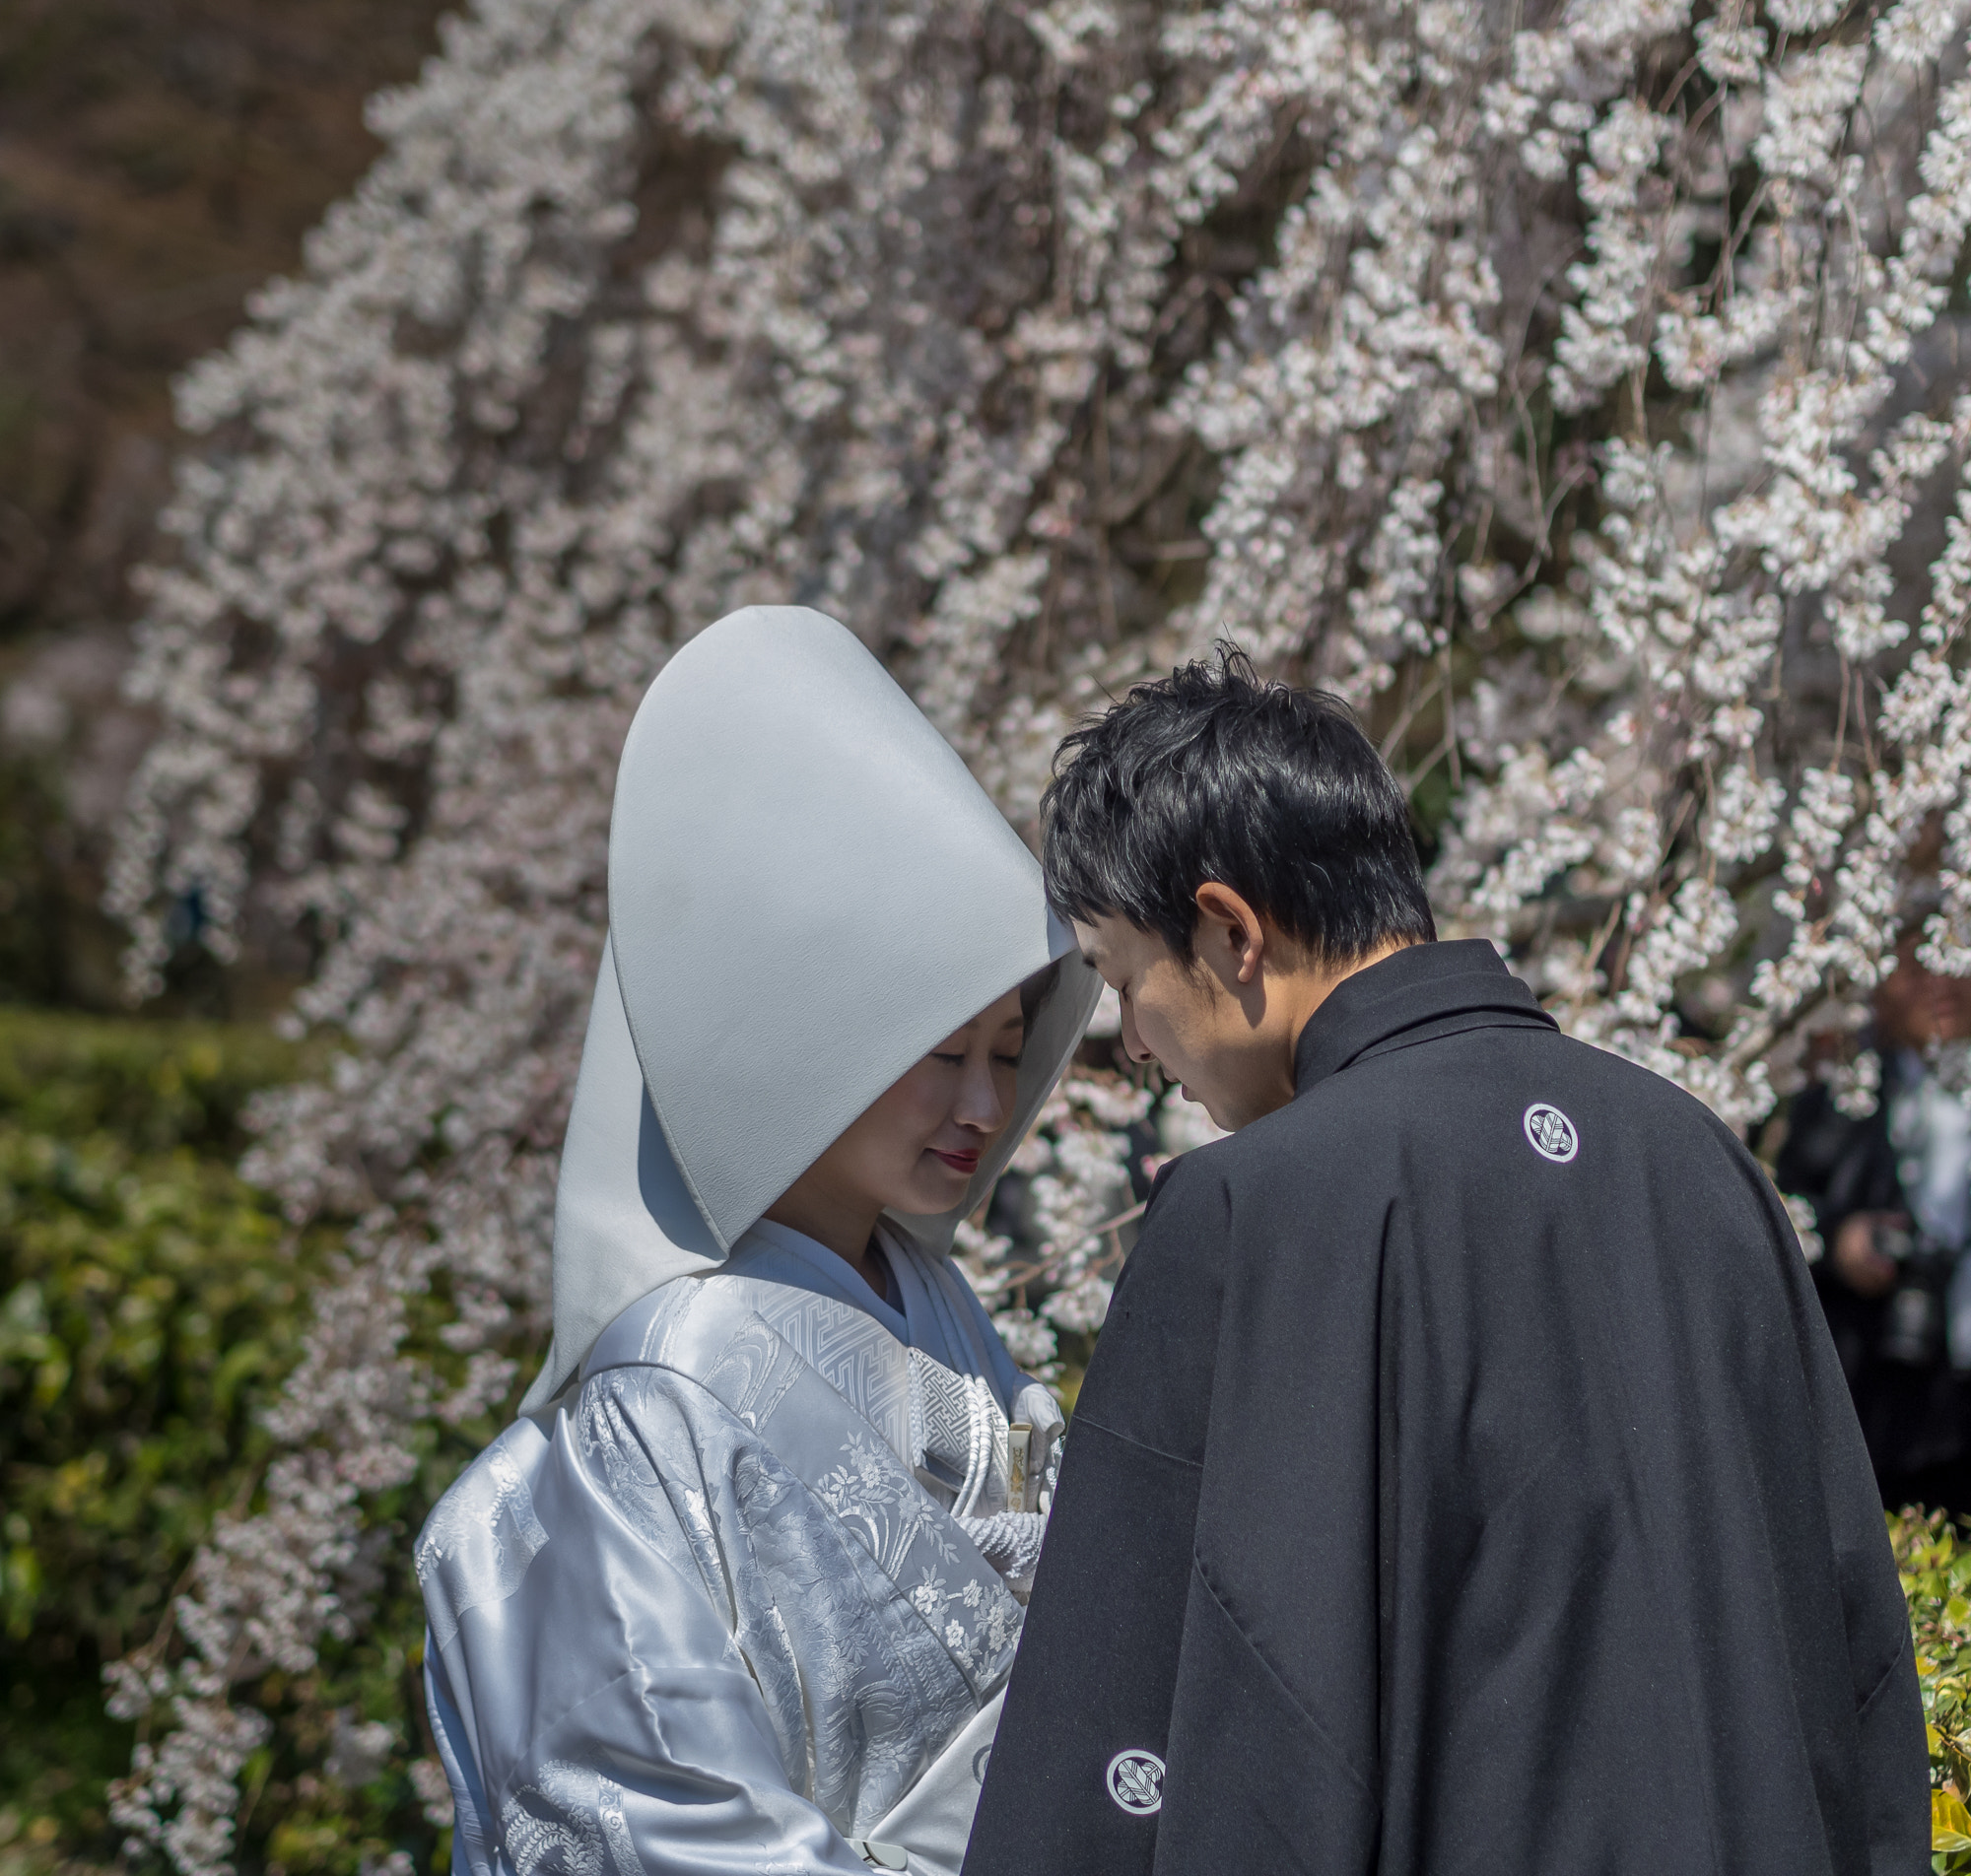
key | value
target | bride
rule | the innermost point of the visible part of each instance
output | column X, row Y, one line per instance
column 739, row 1591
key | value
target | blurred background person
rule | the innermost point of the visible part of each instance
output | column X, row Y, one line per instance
column 1891, row 1194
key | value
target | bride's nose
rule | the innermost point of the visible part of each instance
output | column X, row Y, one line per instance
column 979, row 1106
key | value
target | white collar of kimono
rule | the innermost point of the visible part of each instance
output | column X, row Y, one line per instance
column 807, row 890
column 794, row 1258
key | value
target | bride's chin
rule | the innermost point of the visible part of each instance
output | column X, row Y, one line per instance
column 938, row 1188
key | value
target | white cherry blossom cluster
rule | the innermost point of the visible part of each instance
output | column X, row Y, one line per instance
column 1720, row 860
column 1578, row 396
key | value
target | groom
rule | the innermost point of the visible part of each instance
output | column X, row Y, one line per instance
column 1464, row 1480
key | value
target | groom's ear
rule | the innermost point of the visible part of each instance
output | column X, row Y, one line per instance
column 1231, row 937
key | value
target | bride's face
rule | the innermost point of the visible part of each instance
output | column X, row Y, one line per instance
column 916, row 1147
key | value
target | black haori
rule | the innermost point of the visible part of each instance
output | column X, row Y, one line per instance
column 1464, row 1480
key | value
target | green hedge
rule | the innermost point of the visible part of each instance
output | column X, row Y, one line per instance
column 151, row 1087
column 148, row 1300
column 1934, row 1559
column 150, row 1306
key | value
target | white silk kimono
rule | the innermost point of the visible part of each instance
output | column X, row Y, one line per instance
column 712, row 1619
column 738, row 1591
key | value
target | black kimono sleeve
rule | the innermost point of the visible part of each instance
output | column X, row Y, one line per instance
column 1098, row 1656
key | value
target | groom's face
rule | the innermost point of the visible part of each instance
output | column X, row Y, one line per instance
column 1188, row 1018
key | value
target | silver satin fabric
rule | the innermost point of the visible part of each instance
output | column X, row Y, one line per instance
column 939, row 1315
column 655, row 1648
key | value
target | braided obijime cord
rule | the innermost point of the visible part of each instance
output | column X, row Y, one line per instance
column 982, row 1411
column 1010, row 1541
column 964, row 1446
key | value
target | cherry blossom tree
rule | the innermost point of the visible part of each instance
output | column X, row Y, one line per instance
column 1576, row 390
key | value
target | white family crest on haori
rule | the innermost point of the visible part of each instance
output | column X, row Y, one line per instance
column 721, row 1541
column 1551, row 1133
column 1135, row 1780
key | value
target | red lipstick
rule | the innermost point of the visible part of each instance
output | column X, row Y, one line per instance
column 965, row 1163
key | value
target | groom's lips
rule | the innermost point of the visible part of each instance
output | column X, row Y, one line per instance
column 967, row 1163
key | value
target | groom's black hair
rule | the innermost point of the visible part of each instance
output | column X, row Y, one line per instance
column 1212, row 774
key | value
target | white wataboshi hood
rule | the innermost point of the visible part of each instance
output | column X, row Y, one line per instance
column 807, row 892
